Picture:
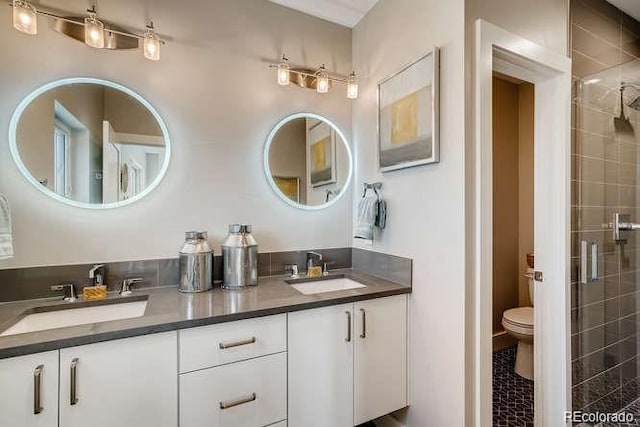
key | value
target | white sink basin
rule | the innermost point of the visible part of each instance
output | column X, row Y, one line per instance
column 76, row 316
column 330, row 285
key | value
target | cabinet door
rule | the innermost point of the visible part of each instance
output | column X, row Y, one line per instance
column 126, row 383
column 251, row 393
column 29, row 390
column 380, row 357
column 321, row 367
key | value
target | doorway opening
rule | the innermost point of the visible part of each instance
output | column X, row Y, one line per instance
column 549, row 72
column 513, row 257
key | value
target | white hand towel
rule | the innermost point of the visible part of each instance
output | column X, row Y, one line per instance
column 6, row 238
column 366, row 218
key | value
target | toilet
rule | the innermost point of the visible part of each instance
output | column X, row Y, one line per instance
column 518, row 322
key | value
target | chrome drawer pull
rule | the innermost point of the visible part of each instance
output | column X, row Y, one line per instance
column 232, row 403
column 73, row 395
column 224, row 346
column 37, row 380
column 348, row 338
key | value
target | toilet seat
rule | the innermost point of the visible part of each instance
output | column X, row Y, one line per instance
column 519, row 320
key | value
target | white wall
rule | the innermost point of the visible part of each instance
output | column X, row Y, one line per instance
column 426, row 204
column 219, row 100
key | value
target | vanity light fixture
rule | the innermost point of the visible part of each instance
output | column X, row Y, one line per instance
column 92, row 31
column 25, row 18
column 352, row 86
column 151, row 44
column 323, row 80
column 283, row 71
column 319, row 79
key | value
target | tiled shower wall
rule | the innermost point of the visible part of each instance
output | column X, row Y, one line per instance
column 605, row 314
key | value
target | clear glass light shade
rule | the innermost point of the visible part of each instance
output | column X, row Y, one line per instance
column 93, row 32
column 283, row 74
column 352, row 87
column 322, row 85
column 151, row 45
column 24, row 17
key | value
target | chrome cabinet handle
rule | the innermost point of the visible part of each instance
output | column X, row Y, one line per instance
column 37, row 381
column 224, row 346
column 232, row 403
column 73, row 398
column 348, row 339
column 363, row 335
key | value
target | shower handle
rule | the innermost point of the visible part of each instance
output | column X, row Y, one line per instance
column 622, row 225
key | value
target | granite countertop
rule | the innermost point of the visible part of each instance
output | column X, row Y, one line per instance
column 168, row 310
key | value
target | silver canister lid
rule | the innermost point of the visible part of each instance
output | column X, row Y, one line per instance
column 191, row 235
column 240, row 228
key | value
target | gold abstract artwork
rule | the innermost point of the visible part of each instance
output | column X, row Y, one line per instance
column 320, row 153
column 290, row 186
column 404, row 119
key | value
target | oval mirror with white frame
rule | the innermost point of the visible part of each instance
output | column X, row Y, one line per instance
column 308, row 161
column 74, row 138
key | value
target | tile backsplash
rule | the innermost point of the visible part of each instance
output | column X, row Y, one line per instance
column 35, row 282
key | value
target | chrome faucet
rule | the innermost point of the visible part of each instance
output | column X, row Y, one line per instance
column 310, row 256
column 127, row 284
column 96, row 274
column 69, row 291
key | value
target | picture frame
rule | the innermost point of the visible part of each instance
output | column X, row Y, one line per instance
column 289, row 186
column 409, row 116
column 321, row 155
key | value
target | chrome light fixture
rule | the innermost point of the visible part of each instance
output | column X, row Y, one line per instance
column 87, row 29
column 25, row 17
column 283, row 71
column 352, row 86
column 319, row 79
column 151, row 44
column 93, row 30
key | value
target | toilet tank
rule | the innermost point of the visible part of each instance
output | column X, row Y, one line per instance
column 530, row 275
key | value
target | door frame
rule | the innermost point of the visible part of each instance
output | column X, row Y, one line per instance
column 499, row 50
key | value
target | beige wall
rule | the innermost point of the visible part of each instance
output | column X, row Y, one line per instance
column 127, row 115
column 288, row 154
column 526, row 186
column 35, row 129
column 426, row 204
column 219, row 100
column 505, row 198
column 513, row 180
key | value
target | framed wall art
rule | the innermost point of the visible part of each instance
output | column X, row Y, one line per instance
column 408, row 115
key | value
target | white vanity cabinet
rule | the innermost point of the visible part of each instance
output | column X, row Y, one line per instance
column 347, row 363
column 234, row 374
column 380, row 367
column 126, row 383
column 29, row 390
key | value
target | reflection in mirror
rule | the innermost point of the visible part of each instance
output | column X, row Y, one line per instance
column 307, row 161
column 90, row 143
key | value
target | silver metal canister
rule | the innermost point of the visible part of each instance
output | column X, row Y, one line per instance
column 196, row 263
column 239, row 258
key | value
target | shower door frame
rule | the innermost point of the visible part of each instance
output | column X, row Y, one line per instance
column 499, row 50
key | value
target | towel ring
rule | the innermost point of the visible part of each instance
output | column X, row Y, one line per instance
column 375, row 187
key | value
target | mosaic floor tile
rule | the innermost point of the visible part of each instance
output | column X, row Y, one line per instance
column 512, row 394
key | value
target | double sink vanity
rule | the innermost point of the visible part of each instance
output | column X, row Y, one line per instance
column 314, row 352
column 298, row 352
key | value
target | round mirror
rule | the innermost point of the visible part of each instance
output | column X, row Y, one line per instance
column 308, row 161
column 76, row 139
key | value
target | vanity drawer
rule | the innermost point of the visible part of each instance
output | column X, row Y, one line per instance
column 215, row 345
column 252, row 393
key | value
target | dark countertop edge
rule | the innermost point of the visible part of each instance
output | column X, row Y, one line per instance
column 24, row 350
